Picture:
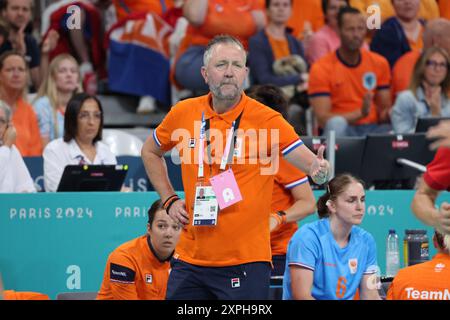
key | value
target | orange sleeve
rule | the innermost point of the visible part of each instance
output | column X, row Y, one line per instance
column 163, row 133
column 126, row 289
column 288, row 139
column 288, row 175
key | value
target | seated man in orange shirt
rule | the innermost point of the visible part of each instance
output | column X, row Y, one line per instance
column 139, row 269
column 349, row 88
column 436, row 34
column 428, row 280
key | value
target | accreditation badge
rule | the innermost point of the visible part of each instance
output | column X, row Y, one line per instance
column 205, row 206
column 226, row 189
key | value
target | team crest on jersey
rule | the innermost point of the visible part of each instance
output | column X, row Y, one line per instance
column 353, row 265
column 148, row 278
column 369, row 80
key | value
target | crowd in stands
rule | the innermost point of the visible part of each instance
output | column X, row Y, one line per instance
column 316, row 54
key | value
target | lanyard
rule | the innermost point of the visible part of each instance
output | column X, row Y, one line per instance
column 227, row 154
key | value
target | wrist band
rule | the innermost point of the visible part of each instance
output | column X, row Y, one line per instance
column 171, row 203
column 278, row 218
column 168, row 199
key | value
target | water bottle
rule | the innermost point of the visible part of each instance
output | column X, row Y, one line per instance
column 392, row 254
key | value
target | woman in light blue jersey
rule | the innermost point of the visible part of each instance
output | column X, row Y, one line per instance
column 331, row 258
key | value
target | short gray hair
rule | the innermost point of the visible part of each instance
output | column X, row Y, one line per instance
column 7, row 109
column 221, row 39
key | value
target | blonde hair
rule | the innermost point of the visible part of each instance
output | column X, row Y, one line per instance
column 48, row 87
column 419, row 70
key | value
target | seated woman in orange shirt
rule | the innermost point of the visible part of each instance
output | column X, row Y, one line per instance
column 13, row 84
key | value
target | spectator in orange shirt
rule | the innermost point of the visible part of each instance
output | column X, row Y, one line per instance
column 425, row 281
column 139, row 269
column 401, row 33
column 349, row 88
column 292, row 197
column 306, row 18
column 224, row 254
column 276, row 56
column 207, row 18
column 13, row 84
column 436, row 34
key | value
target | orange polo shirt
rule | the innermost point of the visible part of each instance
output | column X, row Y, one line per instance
column 242, row 231
column 330, row 76
column 402, row 72
column 17, row 295
column 305, row 11
column 424, row 281
column 288, row 177
column 133, row 272
column 28, row 139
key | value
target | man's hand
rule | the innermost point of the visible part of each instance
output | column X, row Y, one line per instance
column 442, row 133
column 320, row 168
column 443, row 219
column 367, row 102
column 18, row 41
column 178, row 213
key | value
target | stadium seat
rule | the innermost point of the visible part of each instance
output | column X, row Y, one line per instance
column 87, row 295
column 122, row 143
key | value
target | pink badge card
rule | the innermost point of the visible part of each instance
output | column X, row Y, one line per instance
column 226, row 189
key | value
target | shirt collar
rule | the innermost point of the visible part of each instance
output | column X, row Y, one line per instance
column 228, row 116
column 149, row 242
column 76, row 153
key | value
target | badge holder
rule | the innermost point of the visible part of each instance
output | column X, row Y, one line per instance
column 205, row 203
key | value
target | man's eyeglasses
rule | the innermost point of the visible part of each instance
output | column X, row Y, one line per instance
column 436, row 65
column 87, row 115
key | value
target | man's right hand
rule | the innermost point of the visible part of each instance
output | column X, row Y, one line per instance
column 367, row 102
column 178, row 213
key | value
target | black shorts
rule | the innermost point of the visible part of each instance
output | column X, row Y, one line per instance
column 249, row 281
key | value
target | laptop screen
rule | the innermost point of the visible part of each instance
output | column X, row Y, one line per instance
column 93, row 178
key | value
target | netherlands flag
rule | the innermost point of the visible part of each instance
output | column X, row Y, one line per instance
column 138, row 62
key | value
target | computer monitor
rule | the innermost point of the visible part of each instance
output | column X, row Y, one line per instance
column 424, row 123
column 93, row 178
column 380, row 169
column 348, row 152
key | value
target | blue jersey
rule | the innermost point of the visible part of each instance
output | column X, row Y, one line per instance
column 337, row 271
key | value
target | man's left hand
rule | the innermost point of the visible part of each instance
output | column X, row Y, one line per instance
column 320, row 168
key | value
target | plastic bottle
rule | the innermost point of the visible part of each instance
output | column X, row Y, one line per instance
column 392, row 254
